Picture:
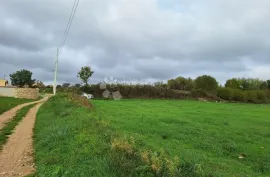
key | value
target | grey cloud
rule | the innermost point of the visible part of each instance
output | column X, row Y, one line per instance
column 142, row 39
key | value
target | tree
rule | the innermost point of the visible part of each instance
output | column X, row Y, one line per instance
column 264, row 86
column 181, row 83
column 268, row 84
column 206, row 84
column 172, row 84
column 22, row 78
column 77, row 85
column 38, row 84
column 66, row 85
column 85, row 74
column 250, row 83
column 233, row 83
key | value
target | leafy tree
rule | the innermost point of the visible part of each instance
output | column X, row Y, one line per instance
column 233, row 83
column 250, row 83
column 245, row 83
column 172, row 84
column 268, row 84
column 77, row 85
column 160, row 84
column 181, row 83
column 225, row 93
column 22, row 78
column 206, row 84
column 85, row 74
column 264, row 86
column 66, row 85
column 38, row 84
column 190, row 84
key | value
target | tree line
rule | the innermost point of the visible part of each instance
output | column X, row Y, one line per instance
column 235, row 89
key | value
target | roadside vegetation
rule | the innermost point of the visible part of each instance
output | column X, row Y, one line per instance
column 6, row 103
column 151, row 138
column 245, row 90
column 10, row 126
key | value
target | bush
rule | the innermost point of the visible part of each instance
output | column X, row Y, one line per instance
column 225, row 93
column 252, row 96
column 261, row 96
column 79, row 100
column 135, row 91
column 239, row 95
column 181, row 83
column 207, row 84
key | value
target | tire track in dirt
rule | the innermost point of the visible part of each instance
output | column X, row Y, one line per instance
column 8, row 115
column 16, row 157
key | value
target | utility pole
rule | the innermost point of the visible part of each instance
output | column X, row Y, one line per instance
column 55, row 72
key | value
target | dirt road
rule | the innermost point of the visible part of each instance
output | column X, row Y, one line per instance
column 7, row 116
column 16, row 158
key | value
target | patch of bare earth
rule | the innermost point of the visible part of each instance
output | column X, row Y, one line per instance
column 16, row 157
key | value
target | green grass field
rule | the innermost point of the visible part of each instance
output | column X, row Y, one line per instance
column 7, row 103
column 206, row 137
column 210, row 134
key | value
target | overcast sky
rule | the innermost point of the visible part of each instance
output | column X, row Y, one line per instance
column 137, row 39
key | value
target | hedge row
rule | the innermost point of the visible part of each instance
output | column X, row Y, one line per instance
column 136, row 91
column 252, row 96
column 161, row 92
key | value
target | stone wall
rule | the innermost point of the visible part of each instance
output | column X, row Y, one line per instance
column 29, row 93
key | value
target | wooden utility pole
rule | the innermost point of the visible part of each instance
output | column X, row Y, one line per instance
column 55, row 72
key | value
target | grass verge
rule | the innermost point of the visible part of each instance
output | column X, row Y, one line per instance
column 10, row 126
column 6, row 103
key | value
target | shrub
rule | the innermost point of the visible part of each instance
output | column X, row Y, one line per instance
column 268, row 94
column 225, row 93
column 181, row 83
column 79, row 100
column 252, row 96
column 207, row 84
column 135, row 91
column 198, row 93
column 262, row 96
column 233, row 83
column 239, row 95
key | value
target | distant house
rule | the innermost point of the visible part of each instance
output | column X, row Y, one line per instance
column 3, row 82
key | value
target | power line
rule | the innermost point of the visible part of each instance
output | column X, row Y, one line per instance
column 71, row 17
column 68, row 23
